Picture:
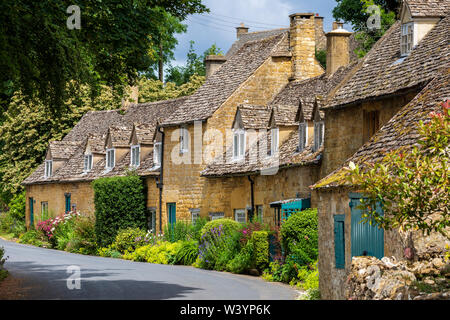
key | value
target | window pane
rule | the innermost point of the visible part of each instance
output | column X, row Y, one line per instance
column 235, row 145
column 241, row 144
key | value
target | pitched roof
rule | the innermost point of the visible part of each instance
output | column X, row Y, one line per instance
column 283, row 115
column 62, row 150
column 219, row 86
column 253, row 36
column 119, row 136
column 144, row 133
column 400, row 131
column 428, row 8
column 382, row 72
column 253, row 117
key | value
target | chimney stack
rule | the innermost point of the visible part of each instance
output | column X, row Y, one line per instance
column 321, row 40
column 213, row 63
column 303, row 46
column 337, row 48
column 241, row 30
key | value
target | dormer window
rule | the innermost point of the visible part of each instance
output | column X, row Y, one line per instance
column 110, row 158
column 407, row 38
column 238, row 144
column 184, row 140
column 157, row 154
column 87, row 162
column 319, row 131
column 48, row 168
column 274, row 141
column 135, row 155
column 302, row 136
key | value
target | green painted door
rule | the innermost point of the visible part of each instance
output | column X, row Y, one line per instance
column 367, row 240
column 67, row 196
column 31, row 203
column 172, row 213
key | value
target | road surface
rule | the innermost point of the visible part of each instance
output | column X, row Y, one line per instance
column 43, row 274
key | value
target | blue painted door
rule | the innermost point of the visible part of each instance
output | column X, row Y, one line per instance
column 67, row 202
column 172, row 213
column 367, row 240
column 31, row 203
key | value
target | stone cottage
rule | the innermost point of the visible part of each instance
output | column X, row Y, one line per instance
column 402, row 79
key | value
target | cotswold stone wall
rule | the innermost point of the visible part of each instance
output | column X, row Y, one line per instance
column 425, row 276
column 183, row 184
column 82, row 195
column 344, row 129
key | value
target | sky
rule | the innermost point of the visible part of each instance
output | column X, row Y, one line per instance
column 225, row 15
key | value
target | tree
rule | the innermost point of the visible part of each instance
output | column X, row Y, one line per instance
column 412, row 186
column 194, row 65
column 40, row 55
column 29, row 126
column 357, row 12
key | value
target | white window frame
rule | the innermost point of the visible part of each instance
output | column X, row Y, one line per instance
column 48, row 168
column 240, row 215
column 216, row 215
column 157, row 148
column 88, row 162
column 274, row 141
column 319, row 134
column 44, row 208
column 184, row 140
column 133, row 161
column 195, row 215
column 407, row 38
column 108, row 155
column 302, row 135
column 257, row 212
column 239, row 144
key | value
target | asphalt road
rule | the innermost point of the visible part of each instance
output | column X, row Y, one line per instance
column 43, row 275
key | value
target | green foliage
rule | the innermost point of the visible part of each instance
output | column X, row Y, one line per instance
column 109, row 252
column 184, row 231
column 228, row 226
column 83, row 239
column 117, row 39
column 356, row 12
column 321, row 56
column 129, row 239
column 299, row 236
column 17, row 206
column 194, row 65
column 243, row 261
column 260, row 241
column 3, row 272
column 410, row 184
column 161, row 253
column 119, row 203
column 34, row 238
column 187, row 253
column 154, row 90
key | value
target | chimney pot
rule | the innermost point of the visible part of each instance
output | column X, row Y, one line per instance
column 337, row 48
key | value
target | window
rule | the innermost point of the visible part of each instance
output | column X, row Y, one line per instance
column 135, row 156
column 48, row 168
column 110, row 158
column 195, row 214
column 371, row 124
column 259, row 213
column 274, row 141
column 157, row 154
column 240, row 216
column 339, row 241
column 407, row 38
column 302, row 136
column 216, row 215
column 44, row 210
column 319, row 131
column 87, row 162
column 184, row 140
column 238, row 144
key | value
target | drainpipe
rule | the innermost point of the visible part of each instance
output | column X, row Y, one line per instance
column 252, row 195
column 160, row 184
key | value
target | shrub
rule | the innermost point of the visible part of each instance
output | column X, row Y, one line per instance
column 161, row 253
column 119, row 203
column 187, row 254
column 109, row 252
column 82, row 237
column 228, row 226
column 260, row 243
column 3, row 272
column 129, row 239
column 242, row 262
column 299, row 237
column 34, row 238
column 17, row 207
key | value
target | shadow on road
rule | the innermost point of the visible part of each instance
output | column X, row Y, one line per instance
column 50, row 282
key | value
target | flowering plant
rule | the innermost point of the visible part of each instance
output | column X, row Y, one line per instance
column 48, row 227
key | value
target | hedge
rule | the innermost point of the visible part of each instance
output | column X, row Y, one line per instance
column 228, row 226
column 119, row 204
column 260, row 240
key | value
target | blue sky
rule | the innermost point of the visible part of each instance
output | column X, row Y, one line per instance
column 219, row 26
